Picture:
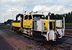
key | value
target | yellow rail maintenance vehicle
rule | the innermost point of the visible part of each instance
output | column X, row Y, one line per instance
column 38, row 25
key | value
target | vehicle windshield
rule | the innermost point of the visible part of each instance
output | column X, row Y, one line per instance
column 40, row 16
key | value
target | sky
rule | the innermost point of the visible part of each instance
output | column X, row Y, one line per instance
column 10, row 8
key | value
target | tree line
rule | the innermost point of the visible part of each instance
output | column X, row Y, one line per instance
column 68, row 16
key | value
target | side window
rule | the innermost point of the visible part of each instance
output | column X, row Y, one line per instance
column 19, row 18
column 30, row 17
column 47, row 17
column 50, row 25
column 26, row 17
column 53, row 23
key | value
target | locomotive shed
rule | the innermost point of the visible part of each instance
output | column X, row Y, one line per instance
column 20, row 42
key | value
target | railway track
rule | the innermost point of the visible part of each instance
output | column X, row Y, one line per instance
column 63, row 44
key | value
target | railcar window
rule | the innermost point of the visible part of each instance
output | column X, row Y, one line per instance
column 26, row 17
column 50, row 25
column 30, row 17
column 54, row 25
column 19, row 18
column 40, row 16
column 47, row 17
